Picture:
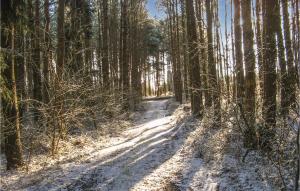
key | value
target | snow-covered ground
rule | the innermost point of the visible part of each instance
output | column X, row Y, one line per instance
column 166, row 149
column 120, row 165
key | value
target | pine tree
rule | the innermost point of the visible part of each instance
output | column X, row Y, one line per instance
column 238, row 52
column 124, row 58
column 269, row 99
column 213, row 79
column 282, row 63
column 250, row 84
column 10, row 101
column 47, row 53
column 291, row 74
column 259, row 43
column 37, row 79
column 194, row 66
column 60, row 39
column 105, row 49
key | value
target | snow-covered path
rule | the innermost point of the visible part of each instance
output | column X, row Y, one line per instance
column 139, row 159
column 166, row 150
column 149, row 145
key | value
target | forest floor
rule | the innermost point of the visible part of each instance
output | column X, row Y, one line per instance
column 164, row 149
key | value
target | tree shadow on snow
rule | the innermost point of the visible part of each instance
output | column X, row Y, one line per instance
column 119, row 167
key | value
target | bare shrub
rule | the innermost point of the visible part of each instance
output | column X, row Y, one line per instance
column 74, row 103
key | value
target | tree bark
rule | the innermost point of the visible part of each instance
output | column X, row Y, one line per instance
column 105, row 50
column 47, row 56
column 250, row 85
column 75, row 66
column 60, row 38
column 238, row 52
column 282, row 63
column 259, row 44
column 194, row 66
column 212, row 66
column 185, row 53
column 124, row 58
column 269, row 102
column 291, row 74
column 37, row 80
column 12, row 132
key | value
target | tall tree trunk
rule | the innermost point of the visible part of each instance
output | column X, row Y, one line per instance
column 218, row 40
column 37, row 80
column 210, row 52
column 157, row 68
column 212, row 66
column 194, row 67
column 29, row 57
column 20, row 66
column 114, row 43
column 135, row 80
column 238, row 51
column 269, row 103
column 105, row 50
column 233, row 54
column 76, row 64
column 99, row 45
column 12, row 132
column 47, row 61
column 227, row 57
column 177, row 55
column 259, row 44
column 282, row 63
column 291, row 86
column 149, row 81
column 184, row 48
column 60, row 52
column 88, row 32
column 250, row 85
column 124, row 59
column 203, row 53
column 60, row 38
column 172, row 44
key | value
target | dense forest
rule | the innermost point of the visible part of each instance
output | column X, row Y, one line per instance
column 225, row 72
